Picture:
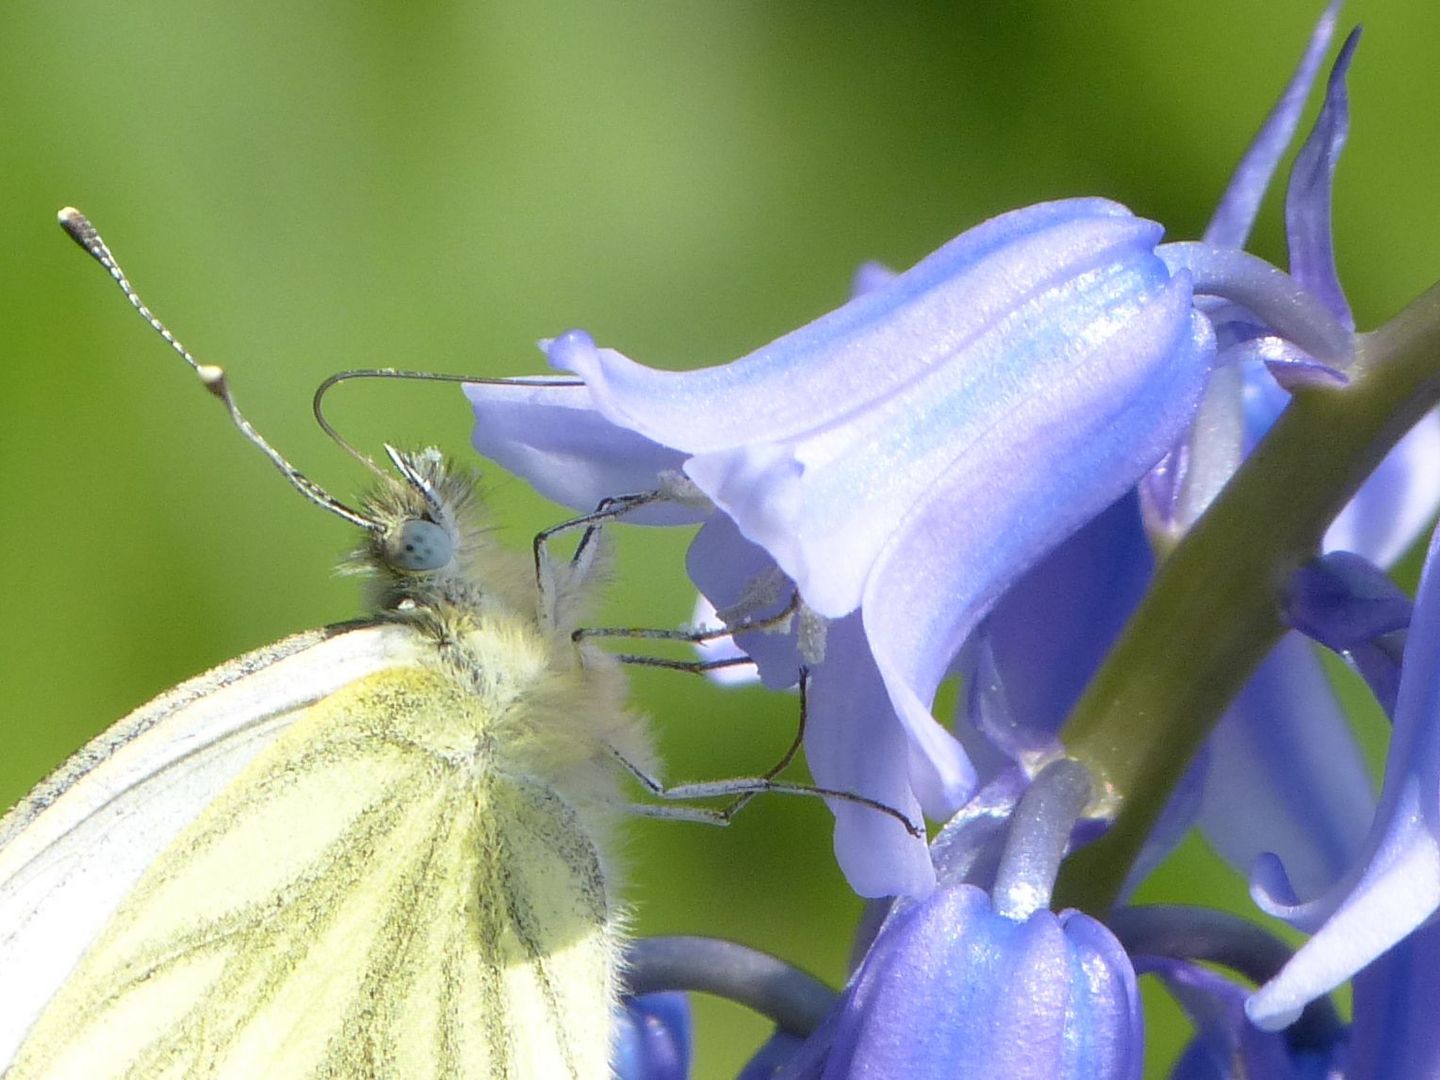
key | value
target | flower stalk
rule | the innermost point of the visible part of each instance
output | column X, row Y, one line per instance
column 1214, row 609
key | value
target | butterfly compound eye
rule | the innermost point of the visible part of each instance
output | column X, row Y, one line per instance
column 419, row 546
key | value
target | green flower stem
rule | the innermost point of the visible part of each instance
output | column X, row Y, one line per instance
column 1213, row 611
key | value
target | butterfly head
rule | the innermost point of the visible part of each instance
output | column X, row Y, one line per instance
column 424, row 543
column 417, row 521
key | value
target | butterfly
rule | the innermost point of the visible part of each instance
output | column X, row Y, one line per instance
column 377, row 849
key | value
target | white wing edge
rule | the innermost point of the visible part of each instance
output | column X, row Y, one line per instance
column 71, row 851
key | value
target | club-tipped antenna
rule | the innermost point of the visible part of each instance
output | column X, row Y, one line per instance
column 211, row 376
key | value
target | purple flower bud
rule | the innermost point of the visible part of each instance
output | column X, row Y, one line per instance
column 652, row 1037
column 950, row 984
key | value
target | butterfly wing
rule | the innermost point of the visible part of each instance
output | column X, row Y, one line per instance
column 72, row 850
column 369, row 897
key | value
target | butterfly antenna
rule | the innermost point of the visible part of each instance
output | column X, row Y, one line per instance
column 211, row 376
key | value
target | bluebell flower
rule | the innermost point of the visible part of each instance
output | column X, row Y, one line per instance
column 1282, row 773
column 652, row 1037
column 1394, row 1032
column 1393, row 887
column 952, row 981
column 902, row 461
column 1226, row 1045
column 986, row 973
column 1287, row 722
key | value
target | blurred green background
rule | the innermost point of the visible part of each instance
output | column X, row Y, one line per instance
column 299, row 188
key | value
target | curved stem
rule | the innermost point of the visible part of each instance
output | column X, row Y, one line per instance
column 1213, row 610
column 795, row 1000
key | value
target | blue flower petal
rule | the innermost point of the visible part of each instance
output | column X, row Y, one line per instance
column 853, row 742
column 652, row 1037
column 1397, row 891
column 942, row 570
column 1286, row 776
column 950, row 984
column 730, row 572
column 1396, row 886
column 1312, row 179
column 1394, row 1033
column 1235, row 214
column 881, row 341
column 553, row 437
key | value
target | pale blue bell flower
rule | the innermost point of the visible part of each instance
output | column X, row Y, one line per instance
column 902, row 461
column 863, row 456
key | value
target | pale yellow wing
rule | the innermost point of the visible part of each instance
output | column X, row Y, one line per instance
column 370, row 898
column 74, row 848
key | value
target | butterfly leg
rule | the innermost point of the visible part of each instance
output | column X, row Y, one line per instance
column 580, row 563
column 689, row 636
column 741, row 790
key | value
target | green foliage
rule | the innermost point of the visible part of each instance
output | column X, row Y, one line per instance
column 303, row 188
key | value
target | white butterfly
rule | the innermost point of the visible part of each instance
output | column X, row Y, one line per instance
column 375, row 849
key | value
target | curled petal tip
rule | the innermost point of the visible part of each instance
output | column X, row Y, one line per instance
column 573, row 350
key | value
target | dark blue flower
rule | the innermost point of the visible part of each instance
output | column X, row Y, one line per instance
column 1393, row 886
column 652, row 1037
column 1226, row 1045
column 952, row 982
column 980, row 973
column 1282, row 773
